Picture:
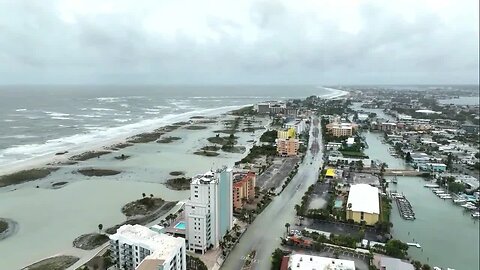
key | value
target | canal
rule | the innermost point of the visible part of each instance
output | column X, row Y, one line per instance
column 448, row 235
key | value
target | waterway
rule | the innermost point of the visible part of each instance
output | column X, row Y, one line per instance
column 448, row 235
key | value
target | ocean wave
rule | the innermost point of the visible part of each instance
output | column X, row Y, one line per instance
column 89, row 115
column 99, row 135
column 110, row 99
column 9, row 120
column 102, row 109
column 56, row 114
column 22, row 136
column 21, row 110
column 122, row 120
column 60, row 118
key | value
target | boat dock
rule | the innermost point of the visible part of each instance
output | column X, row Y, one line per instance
column 404, row 207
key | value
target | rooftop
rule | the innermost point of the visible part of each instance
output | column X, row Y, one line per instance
column 364, row 198
column 162, row 244
column 301, row 261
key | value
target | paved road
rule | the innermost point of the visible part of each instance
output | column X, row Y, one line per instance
column 264, row 233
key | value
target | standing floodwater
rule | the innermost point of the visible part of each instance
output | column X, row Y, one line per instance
column 447, row 234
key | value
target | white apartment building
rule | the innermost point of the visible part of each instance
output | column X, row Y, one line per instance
column 133, row 243
column 209, row 211
column 300, row 126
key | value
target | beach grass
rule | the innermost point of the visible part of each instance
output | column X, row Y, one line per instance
column 98, row 172
column 181, row 183
column 90, row 241
column 3, row 226
column 59, row 184
column 168, row 139
column 176, row 173
column 25, row 176
column 60, row 262
column 206, row 153
column 89, row 155
column 196, row 127
column 144, row 206
column 210, row 148
column 146, row 137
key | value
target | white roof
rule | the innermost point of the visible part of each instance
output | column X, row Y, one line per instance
column 364, row 198
column 164, row 245
column 301, row 261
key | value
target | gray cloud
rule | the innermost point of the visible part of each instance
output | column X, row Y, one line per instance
column 324, row 42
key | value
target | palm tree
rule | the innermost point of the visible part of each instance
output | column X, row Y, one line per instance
column 144, row 195
column 151, row 195
column 100, row 227
column 287, row 225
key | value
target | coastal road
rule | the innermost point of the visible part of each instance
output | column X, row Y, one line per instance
column 263, row 235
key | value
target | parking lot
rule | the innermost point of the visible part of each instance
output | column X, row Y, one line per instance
column 276, row 174
column 337, row 228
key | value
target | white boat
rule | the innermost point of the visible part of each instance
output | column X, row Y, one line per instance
column 445, row 196
column 439, row 192
column 467, row 205
column 431, row 185
column 459, row 200
column 437, row 268
column 414, row 245
column 476, row 215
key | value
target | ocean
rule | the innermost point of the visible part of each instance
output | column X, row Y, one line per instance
column 37, row 121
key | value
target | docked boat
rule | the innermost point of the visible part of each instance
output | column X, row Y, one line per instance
column 431, row 186
column 445, row 196
column 475, row 214
column 459, row 200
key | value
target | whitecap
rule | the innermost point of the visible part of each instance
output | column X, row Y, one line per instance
column 21, row 110
column 101, row 109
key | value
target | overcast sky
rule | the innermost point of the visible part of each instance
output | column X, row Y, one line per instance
column 248, row 42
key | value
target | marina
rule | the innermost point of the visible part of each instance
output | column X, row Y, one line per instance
column 430, row 212
column 404, row 207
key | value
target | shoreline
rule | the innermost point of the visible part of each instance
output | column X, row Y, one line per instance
column 51, row 159
column 103, row 145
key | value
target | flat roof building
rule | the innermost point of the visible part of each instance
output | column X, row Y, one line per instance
column 131, row 244
column 304, row 262
column 363, row 204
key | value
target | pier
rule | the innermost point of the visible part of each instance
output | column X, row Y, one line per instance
column 404, row 207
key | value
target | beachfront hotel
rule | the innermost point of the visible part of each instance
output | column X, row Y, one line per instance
column 363, row 204
column 138, row 247
column 243, row 188
column 209, row 211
